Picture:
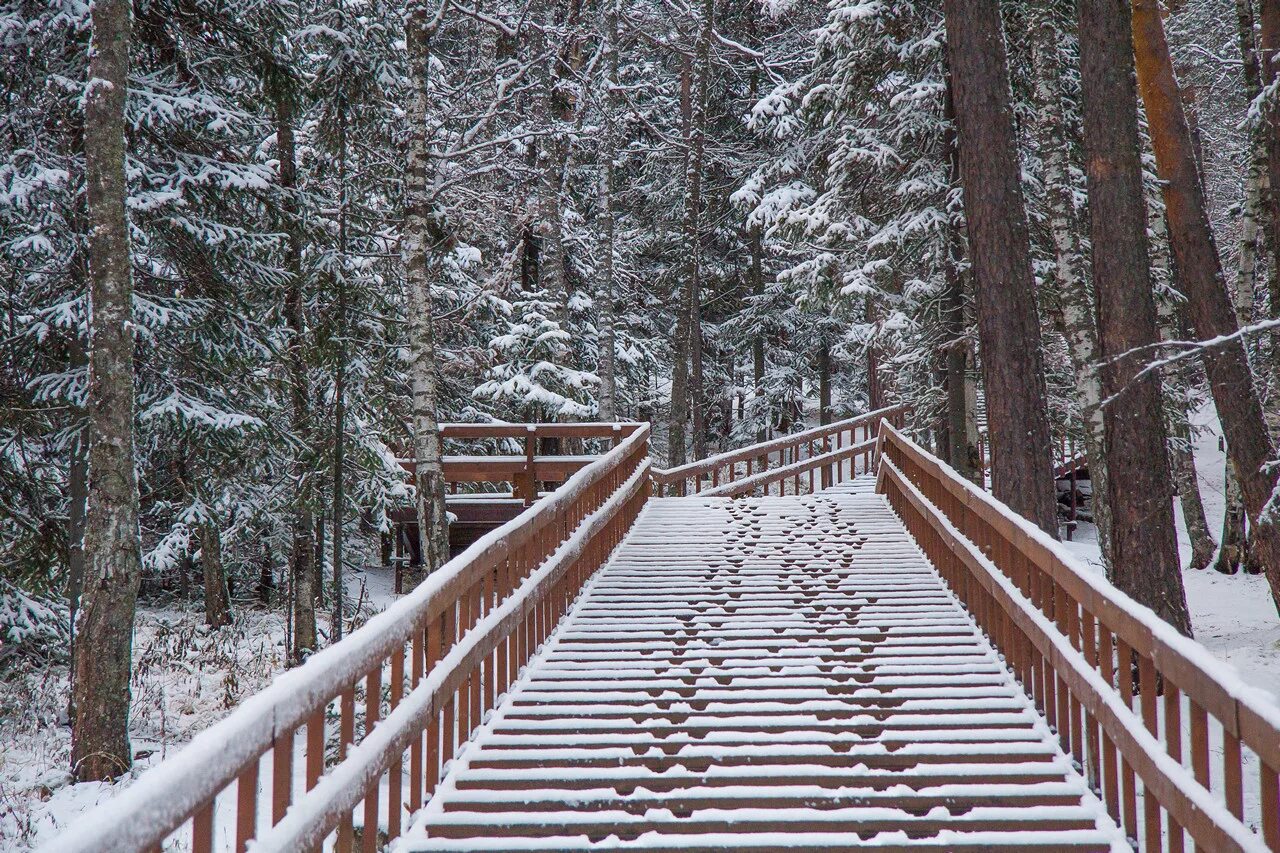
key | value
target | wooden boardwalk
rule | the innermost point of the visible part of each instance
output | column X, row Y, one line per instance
column 780, row 673
column 811, row 670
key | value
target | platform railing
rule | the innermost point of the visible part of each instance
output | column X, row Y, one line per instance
column 809, row 460
column 1174, row 746
column 366, row 726
column 529, row 466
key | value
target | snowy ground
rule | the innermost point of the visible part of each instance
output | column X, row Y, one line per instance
column 1232, row 615
column 186, row 677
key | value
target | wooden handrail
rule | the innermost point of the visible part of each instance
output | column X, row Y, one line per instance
column 607, row 429
column 825, row 461
column 524, row 471
column 1131, row 699
column 321, row 809
column 793, row 452
column 523, row 569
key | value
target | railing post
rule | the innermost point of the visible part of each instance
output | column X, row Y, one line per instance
column 528, row 485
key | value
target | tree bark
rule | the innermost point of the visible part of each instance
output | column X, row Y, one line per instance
column 1187, row 481
column 962, row 449
column 608, row 155
column 78, row 504
column 1252, row 213
column 677, row 430
column 1008, row 325
column 1230, row 553
column 340, row 369
column 757, row 342
column 691, row 223
column 1199, row 267
column 1144, row 548
column 824, row 383
column 302, row 557
column 425, row 238
column 1071, row 303
column 100, row 747
column 217, row 601
column 1269, row 55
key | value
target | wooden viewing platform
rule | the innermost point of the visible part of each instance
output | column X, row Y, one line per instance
column 821, row 642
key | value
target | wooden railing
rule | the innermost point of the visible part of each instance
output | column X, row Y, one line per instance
column 523, row 470
column 380, row 714
column 1153, row 720
column 817, row 458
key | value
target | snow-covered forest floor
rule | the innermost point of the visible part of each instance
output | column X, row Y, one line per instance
column 1232, row 615
column 185, row 678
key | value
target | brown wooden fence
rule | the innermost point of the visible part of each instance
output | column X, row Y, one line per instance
column 289, row 766
column 1165, row 737
column 815, row 458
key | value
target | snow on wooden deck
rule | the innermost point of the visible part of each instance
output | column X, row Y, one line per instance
column 767, row 674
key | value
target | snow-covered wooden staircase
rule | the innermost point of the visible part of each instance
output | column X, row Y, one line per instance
column 763, row 650
column 778, row 673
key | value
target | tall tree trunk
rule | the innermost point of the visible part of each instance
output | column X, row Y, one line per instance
column 1199, row 267
column 425, row 238
column 1175, row 381
column 1269, row 55
column 77, row 507
column 217, row 601
column 1144, row 547
column 551, row 262
column 1230, row 553
column 691, row 225
column 757, row 342
column 1071, row 302
column 1187, row 481
column 302, row 556
column 608, row 155
column 824, row 383
column 1008, row 326
column 962, row 448
column 677, row 431
column 340, row 368
column 100, row 746
column 1252, row 213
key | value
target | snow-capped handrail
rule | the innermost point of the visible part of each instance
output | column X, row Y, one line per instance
column 218, row 782
column 1098, row 663
column 715, row 471
column 321, row 809
column 614, row 430
column 764, row 479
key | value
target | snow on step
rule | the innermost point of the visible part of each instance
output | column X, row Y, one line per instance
column 758, row 675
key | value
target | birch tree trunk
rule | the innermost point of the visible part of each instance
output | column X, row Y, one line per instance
column 1269, row 63
column 1008, row 325
column 607, row 310
column 1187, row 481
column 1230, row 553
column 1252, row 213
column 425, row 237
column 1199, row 267
column 1072, row 309
column 100, row 747
column 1144, row 547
